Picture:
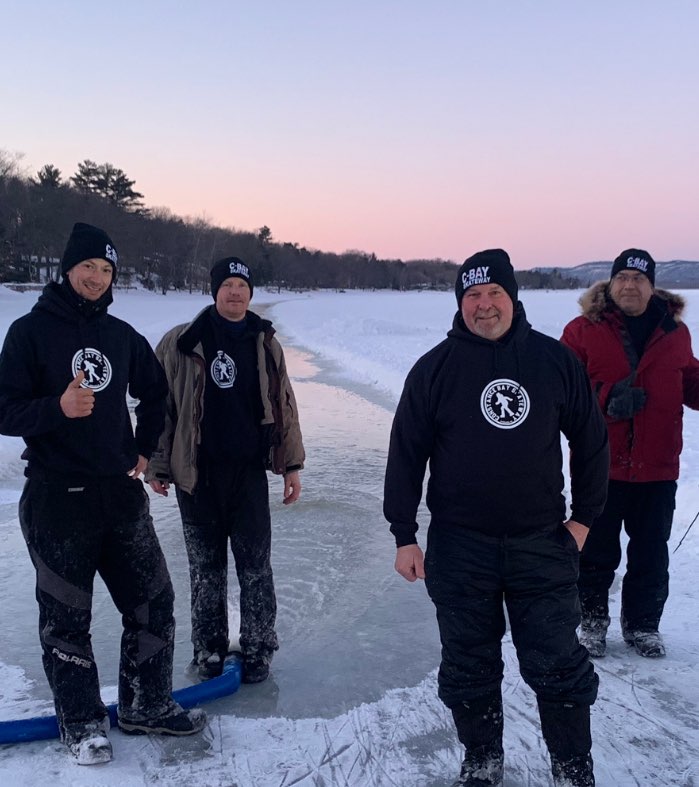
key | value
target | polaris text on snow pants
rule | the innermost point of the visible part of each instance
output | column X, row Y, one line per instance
column 646, row 510
column 469, row 575
column 230, row 503
column 74, row 528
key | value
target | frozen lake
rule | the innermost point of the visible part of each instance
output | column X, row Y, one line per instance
column 352, row 698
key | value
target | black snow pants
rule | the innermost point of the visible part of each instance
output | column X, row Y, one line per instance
column 646, row 511
column 469, row 575
column 78, row 526
column 230, row 503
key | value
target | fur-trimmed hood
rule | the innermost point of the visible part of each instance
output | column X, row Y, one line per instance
column 595, row 301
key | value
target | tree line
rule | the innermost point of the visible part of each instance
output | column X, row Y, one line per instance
column 160, row 250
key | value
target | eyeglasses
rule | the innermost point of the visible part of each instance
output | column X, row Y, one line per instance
column 629, row 278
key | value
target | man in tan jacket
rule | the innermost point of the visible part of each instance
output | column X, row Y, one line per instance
column 231, row 416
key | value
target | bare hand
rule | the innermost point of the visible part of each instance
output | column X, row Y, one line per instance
column 292, row 487
column 77, row 402
column 140, row 468
column 578, row 531
column 410, row 562
column 159, row 487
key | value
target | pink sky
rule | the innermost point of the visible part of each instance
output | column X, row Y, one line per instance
column 563, row 132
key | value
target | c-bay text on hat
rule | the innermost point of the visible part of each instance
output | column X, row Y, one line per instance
column 238, row 269
column 475, row 276
column 111, row 254
column 637, row 262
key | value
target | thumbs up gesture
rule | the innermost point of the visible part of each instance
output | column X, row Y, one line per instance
column 77, row 402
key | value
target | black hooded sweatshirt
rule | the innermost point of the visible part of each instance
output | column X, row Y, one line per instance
column 488, row 416
column 42, row 353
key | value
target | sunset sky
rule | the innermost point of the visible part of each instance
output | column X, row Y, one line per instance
column 562, row 131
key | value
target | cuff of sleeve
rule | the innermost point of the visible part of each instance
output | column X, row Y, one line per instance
column 404, row 539
column 404, row 533
column 583, row 517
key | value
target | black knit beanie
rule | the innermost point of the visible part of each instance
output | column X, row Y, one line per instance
column 635, row 260
column 487, row 267
column 227, row 267
column 87, row 243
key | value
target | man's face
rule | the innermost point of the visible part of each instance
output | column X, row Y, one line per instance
column 631, row 291
column 487, row 310
column 233, row 299
column 91, row 278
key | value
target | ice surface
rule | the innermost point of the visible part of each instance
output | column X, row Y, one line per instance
column 352, row 697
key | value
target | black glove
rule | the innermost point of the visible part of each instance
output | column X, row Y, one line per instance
column 624, row 401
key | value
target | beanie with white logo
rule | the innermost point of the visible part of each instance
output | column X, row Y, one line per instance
column 635, row 260
column 225, row 269
column 491, row 266
column 88, row 243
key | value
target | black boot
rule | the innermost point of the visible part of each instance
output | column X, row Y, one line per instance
column 566, row 730
column 573, row 772
column 479, row 726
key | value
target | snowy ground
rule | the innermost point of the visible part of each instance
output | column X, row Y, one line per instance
column 352, row 700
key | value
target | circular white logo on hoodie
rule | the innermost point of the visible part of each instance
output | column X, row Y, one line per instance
column 223, row 370
column 95, row 366
column 504, row 403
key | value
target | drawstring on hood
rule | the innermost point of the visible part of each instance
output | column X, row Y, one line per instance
column 515, row 335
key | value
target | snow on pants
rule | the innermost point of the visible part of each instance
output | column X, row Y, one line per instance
column 74, row 528
column 646, row 510
column 230, row 503
column 469, row 575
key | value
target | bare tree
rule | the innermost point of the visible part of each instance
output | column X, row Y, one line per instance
column 10, row 164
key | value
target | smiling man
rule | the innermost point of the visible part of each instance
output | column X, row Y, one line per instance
column 638, row 354
column 486, row 409
column 65, row 370
column 231, row 416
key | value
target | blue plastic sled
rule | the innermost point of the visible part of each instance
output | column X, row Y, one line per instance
column 43, row 728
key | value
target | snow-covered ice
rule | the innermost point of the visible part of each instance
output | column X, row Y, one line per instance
column 352, row 699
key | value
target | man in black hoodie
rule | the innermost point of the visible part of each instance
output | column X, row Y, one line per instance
column 486, row 407
column 65, row 370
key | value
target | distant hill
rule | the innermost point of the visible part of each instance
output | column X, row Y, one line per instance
column 678, row 274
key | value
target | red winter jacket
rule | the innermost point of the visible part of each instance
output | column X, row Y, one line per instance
column 646, row 447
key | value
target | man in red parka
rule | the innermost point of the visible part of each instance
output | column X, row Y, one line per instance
column 638, row 355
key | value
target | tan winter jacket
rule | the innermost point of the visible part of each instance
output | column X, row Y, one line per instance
column 175, row 458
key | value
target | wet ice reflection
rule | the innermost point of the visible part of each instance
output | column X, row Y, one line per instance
column 349, row 627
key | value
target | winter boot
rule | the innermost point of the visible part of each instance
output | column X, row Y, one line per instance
column 479, row 725
column 205, row 665
column 647, row 643
column 593, row 635
column 255, row 665
column 175, row 721
column 482, row 767
column 573, row 772
column 566, row 730
column 88, row 742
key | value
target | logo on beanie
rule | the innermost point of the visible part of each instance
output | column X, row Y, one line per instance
column 504, row 403
column 637, row 262
column 111, row 254
column 475, row 276
column 95, row 366
column 238, row 269
column 223, row 370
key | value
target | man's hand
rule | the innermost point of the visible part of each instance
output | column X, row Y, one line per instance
column 141, row 466
column 578, row 531
column 624, row 401
column 410, row 562
column 77, row 402
column 292, row 487
column 159, row 487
